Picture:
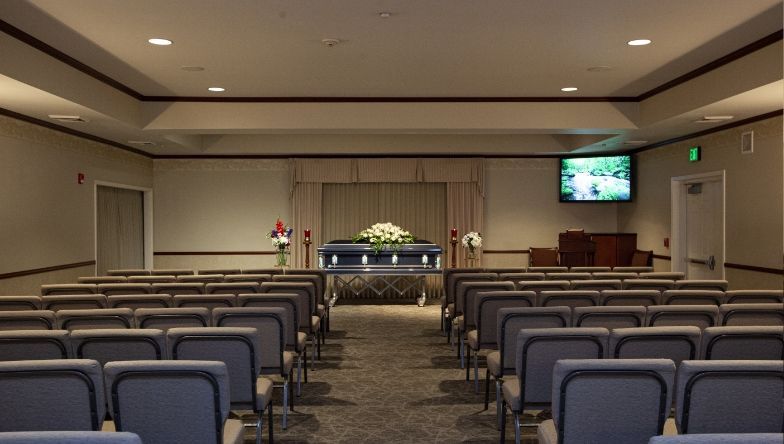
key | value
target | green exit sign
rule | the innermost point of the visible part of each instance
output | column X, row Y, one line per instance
column 694, row 154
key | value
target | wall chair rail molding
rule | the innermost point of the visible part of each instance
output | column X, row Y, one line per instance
column 32, row 271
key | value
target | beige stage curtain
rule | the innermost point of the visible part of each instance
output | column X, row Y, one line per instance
column 120, row 229
column 306, row 214
column 465, row 210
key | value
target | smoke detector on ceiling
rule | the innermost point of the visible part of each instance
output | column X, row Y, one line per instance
column 329, row 43
column 67, row 118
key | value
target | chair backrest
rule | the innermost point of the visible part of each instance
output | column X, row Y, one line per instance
column 648, row 284
column 539, row 286
column 19, row 345
column 287, row 301
column 641, row 258
column 272, row 270
column 152, row 279
column 134, row 344
column 169, row 401
column 590, row 269
column 699, row 284
column 237, row 347
column 692, row 297
column 232, row 287
column 112, row 289
column 621, row 275
column 743, row 343
column 127, row 272
column 60, row 437
column 171, row 271
column 632, row 269
column 200, row 278
column 224, row 271
column 57, row 394
column 730, row 397
column 55, row 289
column 208, row 301
column 568, row 298
column 454, row 279
column 547, row 269
column 539, row 348
column 754, row 297
column 102, row 279
column 598, row 284
column 702, row 316
column 466, row 296
column 20, row 303
column 542, row 257
column 674, row 343
column 134, row 301
column 514, row 277
column 270, row 322
column 608, row 317
column 752, row 314
column 306, row 289
column 177, row 288
column 504, row 270
column 668, row 275
column 257, row 278
column 73, row 302
column 643, row 298
column 27, row 320
column 166, row 318
column 569, row 276
column 611, row 400
column 488, row 303
column 720, row 438
column 511, row 320
column 95, row 319
column 315, row 279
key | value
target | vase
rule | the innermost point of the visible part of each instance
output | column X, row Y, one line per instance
column 280, row 257
column 471, row 252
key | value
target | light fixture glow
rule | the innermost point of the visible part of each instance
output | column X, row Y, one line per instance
column 569, row 89
column 638, row 42
column 216, row 89
column 160, row 42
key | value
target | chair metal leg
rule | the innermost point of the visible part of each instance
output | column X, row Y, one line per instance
column 462, row 350
column 285, row 420
column 291, row 393
column 503, row 422
column 498, row 402
column 299, row 374
column 476, row 371
column 269, row 420
column 487, row 389
column 305, row 356
column 259, row 426
column 517, row 427
column 318, row 344
column 313, row 344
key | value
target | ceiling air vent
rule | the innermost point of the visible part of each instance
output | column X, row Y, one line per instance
column 141, row 142
column 747, row 142
column 67, row 118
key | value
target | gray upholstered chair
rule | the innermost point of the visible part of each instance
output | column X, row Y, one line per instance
column 55, row 289
column 743, row 343
column 730, row 397
column 224, row 271
column 172, row 401
column 675, row 343
column 702, row 316
column 208, row 301
column 720, row 438
column 569, row 276
column 318, row 279
column 272, row 270
column 537, row 351
column 752, row 314
column 56, row 394
column 128, row 272
column 597, row 284
column 608, row 317
column 648, row 284
column 590, row 269
column 567, row 298
column 271, row 325
column 539, row 286
column 307, row 310
column 102, row 280
column 643, row 298
column 20, row 303
column 73, row 302
column 608, row 400
column 692, row 297
column 134, row 301
column 620, row 275
column 87, row 437
column 448, row 304
column 200, row 278
column 152, row 279
column 27, row 320
column 95, row 319
column 177, row 288
column 754, row 297
column 131, row 344
column 547, row 269
column 669, row 275
column 235, row 288
column 124, row 288
column 701, row 284
column 630, row 269
column 166, row 318
column 504, row 270
column 171, row 271
column 258, row 278
column 464, row 305
column 24, row 345
column 240, row 350
column 485, row 336
column 508, row 322
column 526, row 276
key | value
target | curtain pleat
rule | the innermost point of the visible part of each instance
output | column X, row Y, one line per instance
column 120, row 229
column 465, row 211
column 306, row 215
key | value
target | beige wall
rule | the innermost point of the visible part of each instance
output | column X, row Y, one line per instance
column 753, row 199
column 47, row 219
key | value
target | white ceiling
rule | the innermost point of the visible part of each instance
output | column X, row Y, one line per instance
column 448, row 48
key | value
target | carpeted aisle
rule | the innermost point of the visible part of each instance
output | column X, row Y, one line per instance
column 387, row 375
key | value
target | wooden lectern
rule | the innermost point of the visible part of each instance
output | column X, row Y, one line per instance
column 576, row 249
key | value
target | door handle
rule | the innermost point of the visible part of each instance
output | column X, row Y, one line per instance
column 711, row 262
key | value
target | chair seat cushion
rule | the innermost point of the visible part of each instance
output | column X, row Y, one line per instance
column 320, row 310
column 315, row 323
column 494, row 364
column 288, row 361
column 302, row 340
column 460, row 323
column 233, row 432
column 473, row 339
column 443, row 303
column 263, row 392
column 547, row 433
column 511, row 391
column 451, row 309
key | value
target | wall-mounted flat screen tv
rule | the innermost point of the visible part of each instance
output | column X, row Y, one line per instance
column 596, row 179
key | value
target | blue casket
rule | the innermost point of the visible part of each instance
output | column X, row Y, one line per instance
column 346, row 257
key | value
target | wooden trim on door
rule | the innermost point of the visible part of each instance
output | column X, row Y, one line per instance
column 32, row 271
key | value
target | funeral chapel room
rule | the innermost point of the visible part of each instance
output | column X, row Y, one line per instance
column 375, row 221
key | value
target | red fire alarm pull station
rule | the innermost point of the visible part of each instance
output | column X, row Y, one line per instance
column 80, row 178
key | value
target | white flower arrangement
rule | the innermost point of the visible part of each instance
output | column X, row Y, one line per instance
column 383, row 235
column 472, row 240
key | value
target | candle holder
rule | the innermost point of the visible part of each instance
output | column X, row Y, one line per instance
column 454, row 252
column 307, row 243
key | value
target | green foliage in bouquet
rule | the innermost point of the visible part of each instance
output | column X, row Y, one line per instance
column 384, row 235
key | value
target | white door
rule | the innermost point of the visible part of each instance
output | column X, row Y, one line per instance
column 704, row 248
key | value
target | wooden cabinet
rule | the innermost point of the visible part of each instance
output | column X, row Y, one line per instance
column 614, row 249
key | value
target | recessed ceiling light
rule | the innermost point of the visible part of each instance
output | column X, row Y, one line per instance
column 600, row 68
column 192, row 68
column 329, row 43
column 385, row 14
column 714, row 119
column 67, row 118
column 216, row 89
column 638, row 42
column 160, row 41
column 569, row 89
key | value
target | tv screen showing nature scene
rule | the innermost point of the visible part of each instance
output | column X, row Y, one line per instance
column 596, row 179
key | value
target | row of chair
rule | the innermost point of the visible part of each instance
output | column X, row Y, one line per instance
column 189, row 271
column 181, row 287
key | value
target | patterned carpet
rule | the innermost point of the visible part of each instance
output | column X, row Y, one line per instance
column 388, row 376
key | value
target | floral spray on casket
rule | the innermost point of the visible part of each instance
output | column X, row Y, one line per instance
column 281, row 240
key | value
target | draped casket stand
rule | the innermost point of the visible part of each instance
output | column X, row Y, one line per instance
column 355, row 268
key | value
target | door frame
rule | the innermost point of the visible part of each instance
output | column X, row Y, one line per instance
column 678, row 217
column 147, row 210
